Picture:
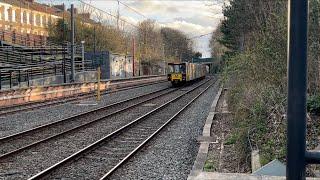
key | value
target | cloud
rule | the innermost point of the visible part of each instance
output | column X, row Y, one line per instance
column 192, row 17
column 188, row 28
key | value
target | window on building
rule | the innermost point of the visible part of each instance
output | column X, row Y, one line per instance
column 38, row 21
column 31, row 18
column 49, row 20
column 9, row 11
column 44, row 20
column 17, row 16
column 24, row 18
column 1, row 12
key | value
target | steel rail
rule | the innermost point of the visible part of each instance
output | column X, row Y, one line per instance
column 12, row 137
column 107, row 137
column 152, row 135
column 32, row 105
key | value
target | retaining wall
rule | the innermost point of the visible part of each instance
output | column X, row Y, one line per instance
column 42, row 93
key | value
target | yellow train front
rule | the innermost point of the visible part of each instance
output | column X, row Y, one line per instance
column 181, row 73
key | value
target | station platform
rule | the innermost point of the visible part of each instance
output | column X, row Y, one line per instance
column 236, row 176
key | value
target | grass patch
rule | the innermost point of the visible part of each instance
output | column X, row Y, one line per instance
column 231, row 139
column 209, row 166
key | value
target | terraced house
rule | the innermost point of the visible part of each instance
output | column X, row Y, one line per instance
column 27, row 16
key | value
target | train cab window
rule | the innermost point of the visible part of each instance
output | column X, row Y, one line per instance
column 176, row 68
column 173, row 68
column 183, row 69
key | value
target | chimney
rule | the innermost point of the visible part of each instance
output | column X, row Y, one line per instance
column 61, row 7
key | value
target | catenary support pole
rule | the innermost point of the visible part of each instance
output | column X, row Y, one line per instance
column 297, row 86
column 133, row 54
column 72, row 45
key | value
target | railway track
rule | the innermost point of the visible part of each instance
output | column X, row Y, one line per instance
column 101, row 158
column 35, row 105
column 32, row 151
column 18, row 142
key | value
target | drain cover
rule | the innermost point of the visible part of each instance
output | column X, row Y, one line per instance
column 149, row 105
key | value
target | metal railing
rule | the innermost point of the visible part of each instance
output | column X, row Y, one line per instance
column 13, row 37
column 20, row 65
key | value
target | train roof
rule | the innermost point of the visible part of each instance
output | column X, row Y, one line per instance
column 177, row 63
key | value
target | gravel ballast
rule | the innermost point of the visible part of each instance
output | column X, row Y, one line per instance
column 99, row 161
column 172, row 153
column 34, row 159
column 15, row 123
column 38, row 158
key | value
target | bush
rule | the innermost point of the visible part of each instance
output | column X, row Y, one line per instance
column 313, row 104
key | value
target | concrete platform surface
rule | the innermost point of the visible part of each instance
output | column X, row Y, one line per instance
column 236, row 176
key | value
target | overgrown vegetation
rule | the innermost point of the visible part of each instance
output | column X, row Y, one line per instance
column 232, row 139
column 252, row 43
column 313, row 104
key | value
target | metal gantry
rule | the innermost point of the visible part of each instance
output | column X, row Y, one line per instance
column 297, row 156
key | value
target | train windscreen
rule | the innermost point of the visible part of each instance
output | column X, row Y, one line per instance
column 176, row 68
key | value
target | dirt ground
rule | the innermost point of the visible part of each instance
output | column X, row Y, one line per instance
column 221, row 155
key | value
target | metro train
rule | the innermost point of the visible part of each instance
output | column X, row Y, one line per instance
column 181, row 73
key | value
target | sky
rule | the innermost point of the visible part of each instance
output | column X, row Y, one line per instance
column 194, row 18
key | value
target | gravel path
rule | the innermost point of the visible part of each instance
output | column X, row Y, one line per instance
column 14, row 123
column 172, row 153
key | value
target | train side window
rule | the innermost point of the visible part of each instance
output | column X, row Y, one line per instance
column 183, row 68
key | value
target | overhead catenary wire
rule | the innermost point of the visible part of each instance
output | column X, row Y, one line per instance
column 133, row 9
column 198, row 36
column 120, row 19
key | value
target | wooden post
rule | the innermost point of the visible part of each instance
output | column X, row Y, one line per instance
column 98, row 84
